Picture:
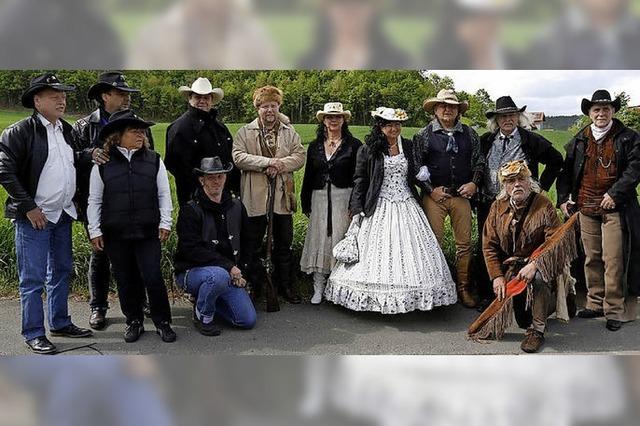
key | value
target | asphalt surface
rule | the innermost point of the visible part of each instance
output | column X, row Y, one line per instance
column 326, row 329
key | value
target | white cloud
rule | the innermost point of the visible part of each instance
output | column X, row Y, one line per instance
column 554, row 92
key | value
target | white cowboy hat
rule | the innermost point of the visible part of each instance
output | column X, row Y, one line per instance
column 445, row 96
column 390, row 114
column 333, row 108
column 202, row 86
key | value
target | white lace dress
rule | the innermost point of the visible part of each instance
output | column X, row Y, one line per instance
column 401, row 267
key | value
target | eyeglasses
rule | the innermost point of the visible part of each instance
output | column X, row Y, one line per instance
column 395, row 124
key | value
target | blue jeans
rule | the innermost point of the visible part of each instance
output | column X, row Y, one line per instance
column 216, row 295
column 44, row 260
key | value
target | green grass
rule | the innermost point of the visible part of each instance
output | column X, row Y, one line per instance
column 8, row 276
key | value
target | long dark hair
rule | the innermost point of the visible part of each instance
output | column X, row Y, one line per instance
column 376, row 140
column 321, row 131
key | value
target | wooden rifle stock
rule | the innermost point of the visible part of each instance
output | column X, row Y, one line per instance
column 273, row 305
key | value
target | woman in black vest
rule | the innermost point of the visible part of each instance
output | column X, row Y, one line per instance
column 210, row 259
column 326, row 188
column 129, row 217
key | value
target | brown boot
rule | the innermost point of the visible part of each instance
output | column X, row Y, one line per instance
column 466, row 297
column 532, row 342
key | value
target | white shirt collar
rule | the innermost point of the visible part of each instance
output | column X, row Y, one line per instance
column 45, row 122
column 511, row 135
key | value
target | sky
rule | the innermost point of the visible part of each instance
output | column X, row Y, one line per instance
column 552, row 92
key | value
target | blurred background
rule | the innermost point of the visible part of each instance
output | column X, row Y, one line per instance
column 387, row 391
column 327, row 34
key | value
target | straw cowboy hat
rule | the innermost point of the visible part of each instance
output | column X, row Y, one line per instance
column 212, row 166
column 107, row 81
column 202, row 86
column 505, row 105
column 445, row 96
column 390, row 114
column 600, row 97
column 333, row 108
column 41, row 82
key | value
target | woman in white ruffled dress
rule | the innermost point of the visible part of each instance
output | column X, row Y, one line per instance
column 401, row 267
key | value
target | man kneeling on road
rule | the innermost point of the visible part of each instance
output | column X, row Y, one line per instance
column 211, row 255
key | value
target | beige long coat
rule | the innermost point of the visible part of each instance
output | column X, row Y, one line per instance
column 247, row 156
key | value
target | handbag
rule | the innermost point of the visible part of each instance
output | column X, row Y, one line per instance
column 346, row 251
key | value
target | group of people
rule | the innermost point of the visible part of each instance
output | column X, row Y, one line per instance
column 377, row 210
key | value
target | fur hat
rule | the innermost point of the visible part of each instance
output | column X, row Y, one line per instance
column 513, row 169
column 267, row 94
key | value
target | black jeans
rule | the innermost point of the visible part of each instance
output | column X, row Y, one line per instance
column 136, row 267
column 99, row 277
column 282, row 254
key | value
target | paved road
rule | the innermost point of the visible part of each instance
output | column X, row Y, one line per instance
column 327, row 329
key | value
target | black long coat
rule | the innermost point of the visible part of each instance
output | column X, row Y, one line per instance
column 192, row 137
column 627, row 148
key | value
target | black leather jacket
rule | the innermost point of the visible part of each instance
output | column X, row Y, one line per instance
column 23, row 152
column 626, row 143
column 370, row 173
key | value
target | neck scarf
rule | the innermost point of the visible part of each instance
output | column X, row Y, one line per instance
column 598, row 133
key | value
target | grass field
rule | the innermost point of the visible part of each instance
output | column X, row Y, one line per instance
column 8, row 280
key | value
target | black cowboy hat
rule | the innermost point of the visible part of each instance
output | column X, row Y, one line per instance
column 109, row 80
column 212, row 166
column 505, row 105
column 121, row 119
column 41, row 82
column 600, row 97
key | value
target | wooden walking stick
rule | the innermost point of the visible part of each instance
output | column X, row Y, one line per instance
column 273, row 305
column 558, row 250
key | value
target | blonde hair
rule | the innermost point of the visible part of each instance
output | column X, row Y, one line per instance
column 523, row 121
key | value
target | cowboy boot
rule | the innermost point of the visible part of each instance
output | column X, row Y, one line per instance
column 319, row 283
column 463, row 285
column 466, row 296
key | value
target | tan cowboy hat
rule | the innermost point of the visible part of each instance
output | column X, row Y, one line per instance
column 202, row 86
column 445, row 96
column 333, row 108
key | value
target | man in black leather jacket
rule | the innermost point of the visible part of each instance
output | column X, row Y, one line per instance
column 37, row 171
column 112, row 93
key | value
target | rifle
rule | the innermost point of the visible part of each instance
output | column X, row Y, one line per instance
column 273, row 305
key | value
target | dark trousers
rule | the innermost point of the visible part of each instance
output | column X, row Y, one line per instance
column 282, row 254
column 136, row 267
column 99, row 276
column 483, row 282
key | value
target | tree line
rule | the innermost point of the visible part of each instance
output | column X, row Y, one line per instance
column 305, row 92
